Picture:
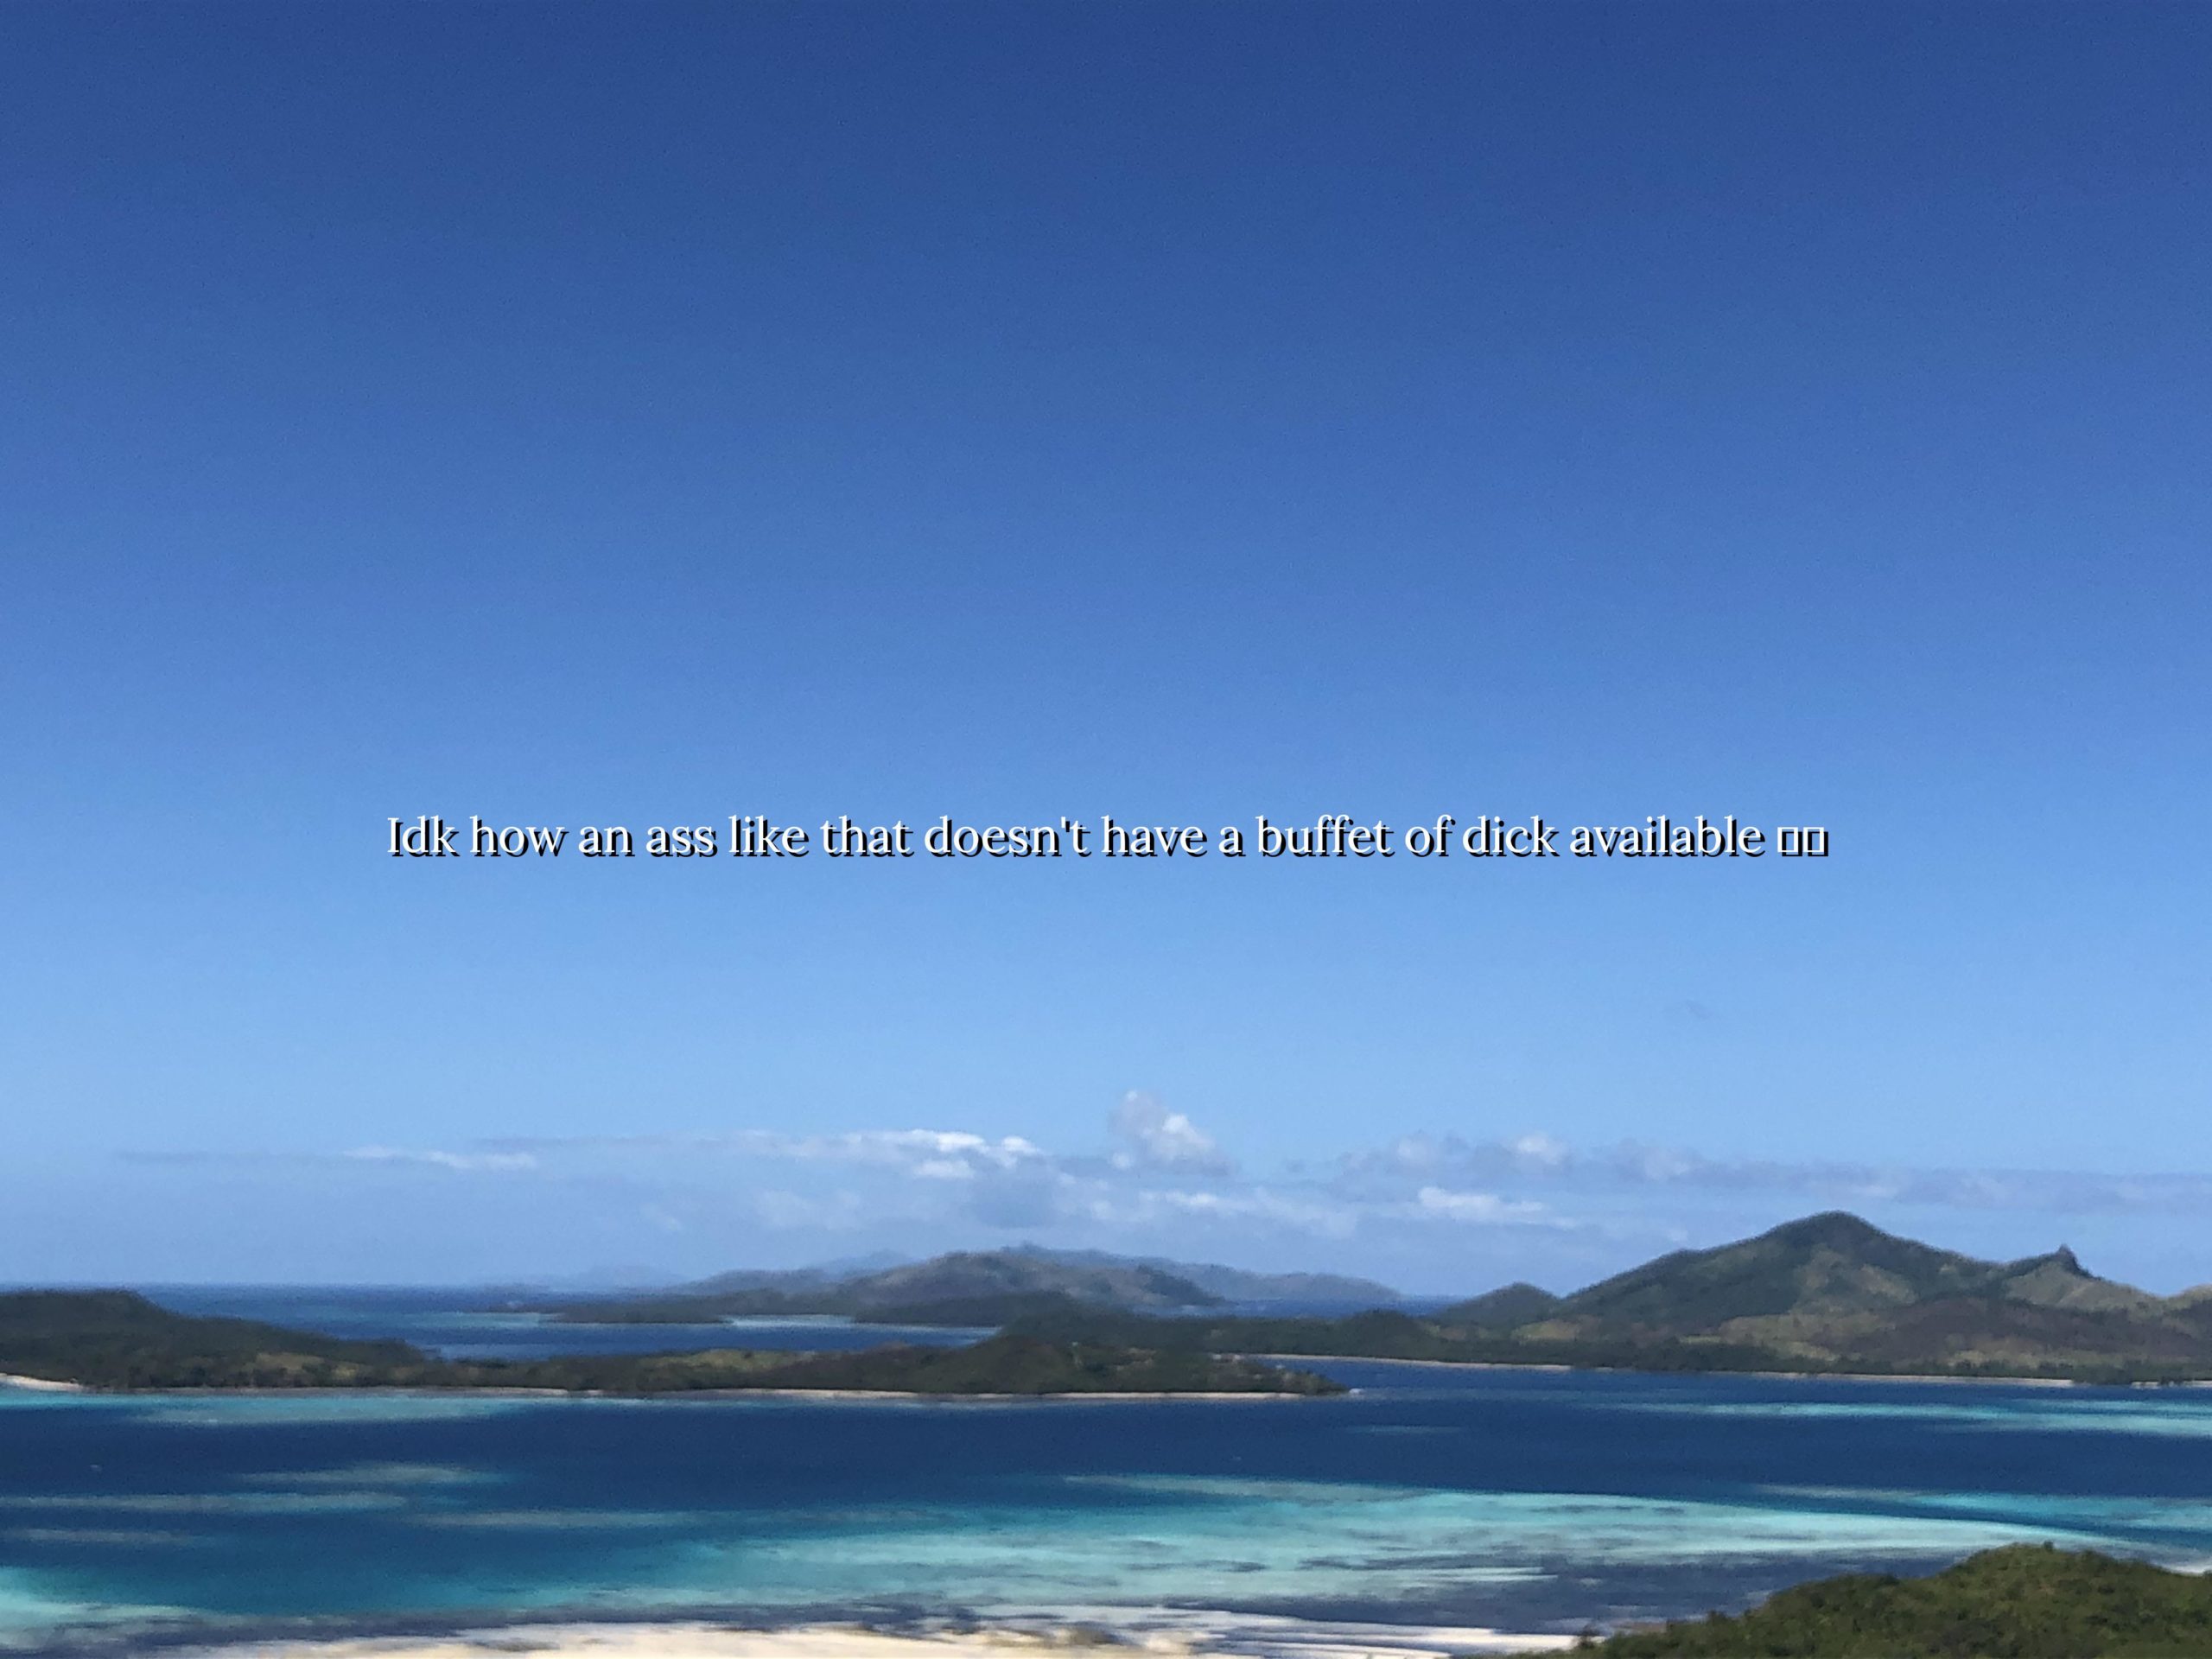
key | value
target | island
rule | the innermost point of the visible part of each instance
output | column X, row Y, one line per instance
column 963, row 1287
column 2025, row 1601
column 966, row 1287
column 1828, row 1294
column 119, row 1341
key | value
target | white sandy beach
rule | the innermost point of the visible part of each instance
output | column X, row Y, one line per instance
column 1166, row 1633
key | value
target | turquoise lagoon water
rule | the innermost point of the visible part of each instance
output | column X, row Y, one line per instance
column 455, row 1323
column 1526, row 1500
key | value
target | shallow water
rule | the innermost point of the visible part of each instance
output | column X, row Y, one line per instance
column 1525, row 1500
column 463, row 1325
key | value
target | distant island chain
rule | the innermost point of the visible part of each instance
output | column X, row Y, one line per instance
column 1830, row 1293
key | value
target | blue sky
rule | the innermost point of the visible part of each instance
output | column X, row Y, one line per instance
column 640, row 415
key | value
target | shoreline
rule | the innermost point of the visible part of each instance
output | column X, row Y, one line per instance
column 48, row 1385
column 1135, row 1630
column 1559, row 1367
column 41, row 1384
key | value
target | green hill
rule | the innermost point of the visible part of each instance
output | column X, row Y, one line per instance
column 118, row 1340
column 1828, row 1266
column 2024, row 1602
column 1238, row 1284
column 996, row 1285
column 1824, row 1264
column 1830, row 1293
column 1017, row 1364
column 1502, row 1309
column 1833, row 1289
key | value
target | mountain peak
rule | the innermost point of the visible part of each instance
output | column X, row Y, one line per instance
column 2059, row 1263
column 1520, row 1303
column 1825, row 1265
column 1838, row 1229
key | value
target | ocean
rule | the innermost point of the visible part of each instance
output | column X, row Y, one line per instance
column 1520, row 1499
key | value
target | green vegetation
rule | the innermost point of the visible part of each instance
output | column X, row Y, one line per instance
column 1832, row 1293
column 1383, row 1335
column 2024, row 1602
column 981, row 1311
column 1236, row 1284
column 114, row 1338
column 1020, row 1364
column 972, row 1286
column 1829, row 1294
column 997, row 1284
column 118, row 1340
column 1506, row 1307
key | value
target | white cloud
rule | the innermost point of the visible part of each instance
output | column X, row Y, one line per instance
column 943, row 1169
column 1543, row 1150
column 1532, row 1153
column 1484, row 1209
column 1162, row 1185
column 437, row 1160
column 1262, row 1205
column 1155, row 1138
column 932, row 1153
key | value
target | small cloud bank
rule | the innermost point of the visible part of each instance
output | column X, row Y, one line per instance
column 1439, row 1212
column 1152, row 1137
column 1629, row 1167
column 1484, row 1209
column 435, row 1160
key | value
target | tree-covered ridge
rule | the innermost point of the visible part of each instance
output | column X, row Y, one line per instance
column 119, row 1340
column 1832, row 1267
column 2024, row 1602
column 116, row 1338
column 1833, row 1291
column 1014, row 1363
column 998, row 1283
column 1830, row 1293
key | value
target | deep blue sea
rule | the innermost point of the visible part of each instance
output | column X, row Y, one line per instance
column 1527, row 1500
